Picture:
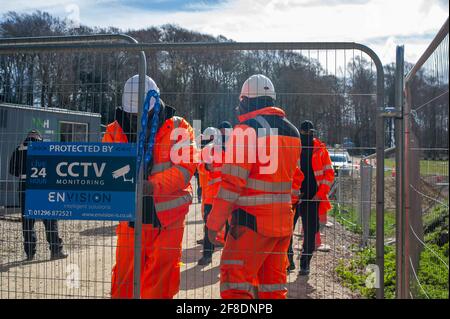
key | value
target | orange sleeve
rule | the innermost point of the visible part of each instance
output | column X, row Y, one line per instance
column 328, row 175
column 297, row 184
column 235, row 171
column 178, row 176
column 202, row 175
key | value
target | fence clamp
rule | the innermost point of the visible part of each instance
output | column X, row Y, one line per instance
column 391, row 112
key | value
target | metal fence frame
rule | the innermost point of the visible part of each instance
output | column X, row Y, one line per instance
column 404, row 160
column 81, row 43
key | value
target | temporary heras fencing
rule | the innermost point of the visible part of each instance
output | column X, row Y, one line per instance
column 424, row 175
column 68, row 88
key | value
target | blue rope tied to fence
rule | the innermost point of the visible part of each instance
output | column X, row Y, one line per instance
column 153, row 129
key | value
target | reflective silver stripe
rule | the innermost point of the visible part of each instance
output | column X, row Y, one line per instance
column 326, row 182
column 24, row 176
column 295, row 193
column 318, row 173
column 327, row 167
column 268, row 130
column 233, row 262
column 216, row 169
column 176, row 121
column 174, row 203
column 215, row 180
column 227, row 195
column 245, row 286
column 22, row 148
column 186, row 174
column 263, row 199
column 271, row 287
column 157, row 168
column 235, row 170
column 269, row 186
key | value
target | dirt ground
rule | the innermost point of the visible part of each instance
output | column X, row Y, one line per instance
column 91, row 248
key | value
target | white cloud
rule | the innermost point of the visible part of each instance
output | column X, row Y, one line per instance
column 277, row 20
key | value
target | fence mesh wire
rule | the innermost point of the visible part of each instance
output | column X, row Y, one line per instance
column 427, row 254
column 72, row 95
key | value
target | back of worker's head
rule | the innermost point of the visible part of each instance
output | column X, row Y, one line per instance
column 307, row 132
column 257, row 92
column 126, row 115
column 33, row 136
column 223, row 126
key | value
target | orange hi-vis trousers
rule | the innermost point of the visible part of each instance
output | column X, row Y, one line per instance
column 160, row 266
column 253, row 266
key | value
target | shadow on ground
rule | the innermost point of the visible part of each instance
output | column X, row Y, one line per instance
column 300, row 288
column 100, row 231
column 195, row 277
column 7, row 266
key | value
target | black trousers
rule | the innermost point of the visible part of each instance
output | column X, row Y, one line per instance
column 309, row 212
column 29, row 234
column 208, row 246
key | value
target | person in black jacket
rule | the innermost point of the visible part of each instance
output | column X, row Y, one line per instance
column 17, row 167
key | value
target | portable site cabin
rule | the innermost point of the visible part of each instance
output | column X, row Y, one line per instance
column 57, row 125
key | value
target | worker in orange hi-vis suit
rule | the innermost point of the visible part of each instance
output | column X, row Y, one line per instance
column 261, row 157
column 318, row 178
column 167, row 196
column 213, row 157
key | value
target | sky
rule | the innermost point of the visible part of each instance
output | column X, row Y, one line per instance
column 379, row 24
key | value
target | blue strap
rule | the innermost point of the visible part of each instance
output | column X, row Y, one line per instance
column 153, row 129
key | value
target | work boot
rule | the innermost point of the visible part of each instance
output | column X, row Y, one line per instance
column 30, row 257
column 205, row 260
column 304, row 265
column 324, row 248
column 200, row 241
column 58, row 255
column 291, row 266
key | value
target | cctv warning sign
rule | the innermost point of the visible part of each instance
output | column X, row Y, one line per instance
column 90, row 181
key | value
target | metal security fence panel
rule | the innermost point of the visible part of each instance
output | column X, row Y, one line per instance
column 426, row 173
column 338, row 86
column 336, row 90
column 66, row 96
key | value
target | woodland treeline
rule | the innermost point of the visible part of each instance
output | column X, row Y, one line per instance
column 335, row 89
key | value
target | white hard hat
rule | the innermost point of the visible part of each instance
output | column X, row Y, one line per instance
column 130, row 93
column 258, row 85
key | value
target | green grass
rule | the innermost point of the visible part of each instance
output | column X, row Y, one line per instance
column 432, row 273
column 348, row 217
column 353, row 273
column 427, row 167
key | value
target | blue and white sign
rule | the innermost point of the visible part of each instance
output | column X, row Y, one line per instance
column 90, row 181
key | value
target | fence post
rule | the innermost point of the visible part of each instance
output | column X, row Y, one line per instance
column 380, row 180
column 138, row 221
column 365, row 203
column 399, row 177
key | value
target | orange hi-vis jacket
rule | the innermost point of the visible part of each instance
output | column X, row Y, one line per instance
column 257, row 187
column 172, row 191
column 171, row 172
column 212, row 176
column 114, row 134
column 324, row 173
